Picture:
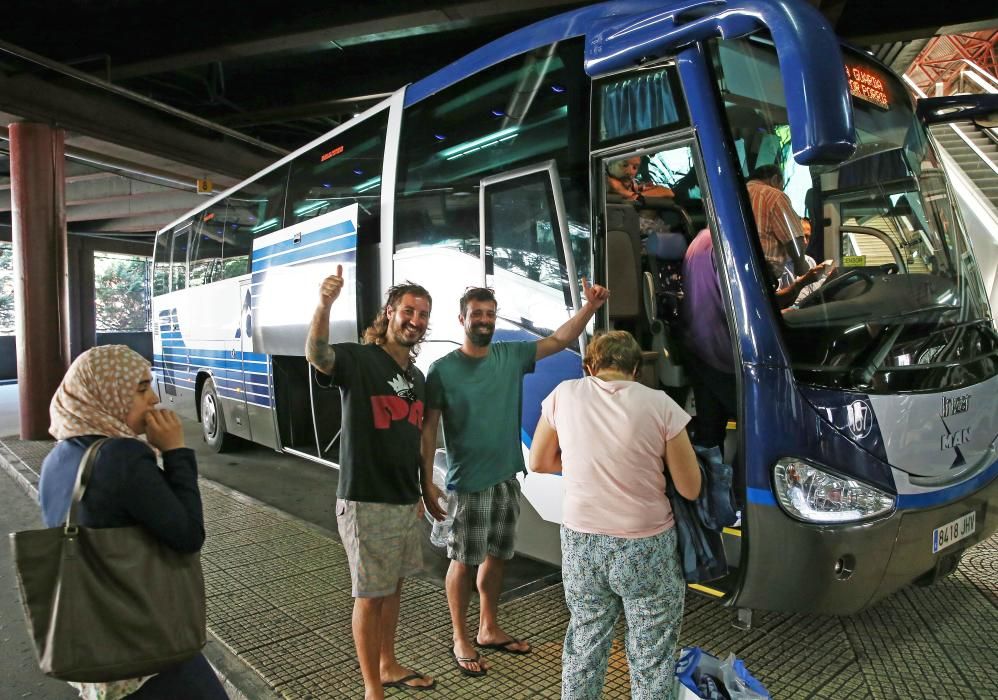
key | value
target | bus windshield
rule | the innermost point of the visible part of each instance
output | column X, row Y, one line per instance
column 905, row 308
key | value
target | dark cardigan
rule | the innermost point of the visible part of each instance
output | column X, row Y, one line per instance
column 127, row 488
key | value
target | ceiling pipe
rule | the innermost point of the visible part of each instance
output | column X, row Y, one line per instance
column 64, row 70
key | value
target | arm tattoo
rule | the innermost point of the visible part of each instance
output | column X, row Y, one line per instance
column 320, row 354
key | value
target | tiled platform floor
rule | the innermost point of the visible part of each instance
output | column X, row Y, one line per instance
column 278, row 596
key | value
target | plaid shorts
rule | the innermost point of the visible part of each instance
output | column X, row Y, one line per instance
column 383, row 543
column 484, row 523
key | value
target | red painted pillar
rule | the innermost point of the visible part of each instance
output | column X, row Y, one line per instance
column 41, row 293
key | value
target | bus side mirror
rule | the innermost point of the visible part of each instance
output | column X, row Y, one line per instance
column 982, row 109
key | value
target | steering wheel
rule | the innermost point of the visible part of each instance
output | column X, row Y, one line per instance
column 840, row 282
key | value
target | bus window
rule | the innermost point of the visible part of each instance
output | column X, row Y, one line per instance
column 236, row 249
column 642, row 103
column 517, row 113
column 887, row 222
column 206, row 246
column 178, row 257
column 255, row 210
column 521, row 227
column 161, row 265
column 343, row 170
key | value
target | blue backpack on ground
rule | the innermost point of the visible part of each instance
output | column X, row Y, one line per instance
column 714, row 679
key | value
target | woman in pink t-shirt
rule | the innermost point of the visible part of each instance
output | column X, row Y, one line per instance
column 608, row 436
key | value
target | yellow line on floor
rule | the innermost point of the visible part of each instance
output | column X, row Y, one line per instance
column 706, row 589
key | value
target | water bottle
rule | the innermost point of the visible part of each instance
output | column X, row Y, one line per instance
column 440, row 529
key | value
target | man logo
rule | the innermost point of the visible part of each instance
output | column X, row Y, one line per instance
column 860, row 416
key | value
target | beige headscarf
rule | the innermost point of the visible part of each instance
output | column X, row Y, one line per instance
column 94, row 398
column 96, row 394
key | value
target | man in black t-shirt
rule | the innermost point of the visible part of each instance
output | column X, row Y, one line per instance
column 377, row 504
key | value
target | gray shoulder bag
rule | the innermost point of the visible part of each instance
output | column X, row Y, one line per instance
column 105, row 604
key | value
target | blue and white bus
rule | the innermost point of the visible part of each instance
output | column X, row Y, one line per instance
column 866, row 426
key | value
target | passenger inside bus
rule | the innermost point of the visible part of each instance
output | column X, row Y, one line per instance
column 710, row 360
column 778, row 224
column 622, row 180
column 788, row 277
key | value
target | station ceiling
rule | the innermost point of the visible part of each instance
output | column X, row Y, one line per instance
column 155, row 94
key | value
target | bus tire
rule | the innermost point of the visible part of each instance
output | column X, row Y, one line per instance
column 213, row 419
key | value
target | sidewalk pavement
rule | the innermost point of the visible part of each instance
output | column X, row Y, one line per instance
column 279, row 614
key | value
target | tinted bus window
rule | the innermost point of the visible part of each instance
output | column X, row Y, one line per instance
column 523, row 229
column 520, row 112
column 640, row 104
column 255, row 210
column 161, row 265
column 178, row 257
column 206, row 246
column 343, row 170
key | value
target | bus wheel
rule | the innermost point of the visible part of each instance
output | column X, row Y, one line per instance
column 212, row 419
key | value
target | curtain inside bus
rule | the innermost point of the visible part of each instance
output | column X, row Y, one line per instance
column 636, row 104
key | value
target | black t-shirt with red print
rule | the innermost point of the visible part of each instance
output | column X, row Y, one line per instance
column 382, row 419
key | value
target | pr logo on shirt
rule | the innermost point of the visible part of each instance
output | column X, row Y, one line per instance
column 388, row 409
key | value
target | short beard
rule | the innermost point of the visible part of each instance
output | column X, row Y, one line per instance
column 399, row 337
column 480, row 340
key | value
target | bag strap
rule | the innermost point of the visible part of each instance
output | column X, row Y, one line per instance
column 82, row 479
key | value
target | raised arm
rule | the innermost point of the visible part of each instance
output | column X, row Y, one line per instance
column 167, row 503
column 428, row 450
column 571, row 329
column 317, row 349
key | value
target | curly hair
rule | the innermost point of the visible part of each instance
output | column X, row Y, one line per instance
column 377, row 332
column 613, row 350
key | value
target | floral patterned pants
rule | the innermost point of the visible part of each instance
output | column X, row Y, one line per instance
column 603, row 575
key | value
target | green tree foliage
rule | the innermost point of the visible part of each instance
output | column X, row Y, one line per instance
column 6, row 289
column 121, row 293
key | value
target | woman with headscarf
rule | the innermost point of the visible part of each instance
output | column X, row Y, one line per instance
column 107, row 393
column 613, row 440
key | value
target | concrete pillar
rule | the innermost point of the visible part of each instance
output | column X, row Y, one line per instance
column 38, row 211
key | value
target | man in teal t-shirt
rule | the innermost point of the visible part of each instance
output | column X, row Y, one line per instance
column 478, row 389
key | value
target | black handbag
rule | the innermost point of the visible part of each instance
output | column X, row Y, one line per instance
column 106, row 604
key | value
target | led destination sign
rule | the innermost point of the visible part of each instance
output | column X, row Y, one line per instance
column 867, row 85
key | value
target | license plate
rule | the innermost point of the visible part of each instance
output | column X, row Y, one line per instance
column 952, row 532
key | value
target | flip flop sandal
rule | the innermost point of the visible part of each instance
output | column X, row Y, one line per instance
column 468, row 660
column 504, row 647
column 405, row 685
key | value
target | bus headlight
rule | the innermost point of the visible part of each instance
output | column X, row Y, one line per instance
column 814, row 495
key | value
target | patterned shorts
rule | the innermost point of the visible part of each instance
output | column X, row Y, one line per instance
column 383, row 544
column 484, row 523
